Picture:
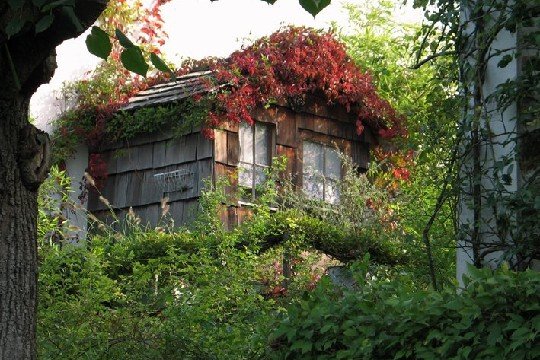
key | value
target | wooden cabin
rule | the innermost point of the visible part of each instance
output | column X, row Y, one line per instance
column 153, row 166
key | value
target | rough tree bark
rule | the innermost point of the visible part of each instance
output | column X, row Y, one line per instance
column 24, row 164
column 18, row 211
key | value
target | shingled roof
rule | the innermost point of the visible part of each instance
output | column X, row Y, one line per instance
column 183, row 87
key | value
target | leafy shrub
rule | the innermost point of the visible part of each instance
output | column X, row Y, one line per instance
column 495, row 316
column 309, row 232
column 150, row 295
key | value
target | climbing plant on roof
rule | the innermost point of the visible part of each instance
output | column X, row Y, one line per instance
column 286, row 67
column 292, row 64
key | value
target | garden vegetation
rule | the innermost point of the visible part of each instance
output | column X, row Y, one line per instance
column 369, row 278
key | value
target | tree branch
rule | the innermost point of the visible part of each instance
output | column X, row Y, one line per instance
column 432, row 57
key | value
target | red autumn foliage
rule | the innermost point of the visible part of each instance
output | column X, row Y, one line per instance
column 292, row 64
column 287, row 67
column 97, row 168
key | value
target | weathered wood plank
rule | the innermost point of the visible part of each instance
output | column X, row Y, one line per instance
column 232, row 219
column 134, row 189
column 272, row 115
column 205, row 171
column 174, row 150
column 243, row 213
column 148, row 138
column 231, row 126
column 111, row 160
column 121, row 184
column 231, row 174
column 233, row 148
column 107, row 192
column 205, row 147
column 286, row 129
column 151, row 192
column 176, row 212
column 148, row 214
column 144, row 157
column 289, row 154
column 187, row 185
column 159, row 154
column 190, row 211
column 220, row 146
column 320, row 124
column 306, row 122
column 360, row 154
column 189, row 151
column 224, row 216
column 125, row 159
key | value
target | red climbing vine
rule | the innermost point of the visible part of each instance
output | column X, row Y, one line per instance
column 287, row 67
column 292, row 64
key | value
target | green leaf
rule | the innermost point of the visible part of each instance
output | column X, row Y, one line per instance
column 14, row 26
column 271, row 2
column 15, row 4
column 68, row 10
column 123, row 39
column 160, row 64
column 314, row 6
column 38, row 3
column 133, row 60
column 44, row 23
column 506, row 59
column 56, row 4
column 98, row 43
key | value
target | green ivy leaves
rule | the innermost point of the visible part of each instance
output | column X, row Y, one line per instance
column 123, row 39
column 133, row 60
column 132, row 57
column 44, row 23
column 311, row 6
column 314, row 6
column 99, row 44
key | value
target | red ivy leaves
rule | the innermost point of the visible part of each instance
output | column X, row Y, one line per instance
column 291, row 64
column 97, row 168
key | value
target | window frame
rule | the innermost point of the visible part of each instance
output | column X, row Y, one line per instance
column 252, row 166
column 325, row 179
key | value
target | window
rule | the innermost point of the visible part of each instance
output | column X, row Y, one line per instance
column 255, row 154
column 321, row 172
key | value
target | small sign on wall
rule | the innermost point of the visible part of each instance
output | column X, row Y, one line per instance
column 174, row 181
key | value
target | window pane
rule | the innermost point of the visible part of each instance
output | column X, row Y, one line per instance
column 260, row 175
column 246, row 143
column 331, row 192
column 332, row 165
column 313, row 186
column 313, row 158
column 245, row 175
column 261, row 145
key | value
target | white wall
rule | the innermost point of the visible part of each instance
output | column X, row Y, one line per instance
column 76, row 166
column 503, row 129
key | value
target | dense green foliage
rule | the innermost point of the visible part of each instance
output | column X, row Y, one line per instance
column 260, row 290
column 206, row 293
column 197, row 292
column 496, row 316
column 427, row 97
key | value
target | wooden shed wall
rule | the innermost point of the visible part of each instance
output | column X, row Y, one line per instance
column 313, row 122
column 131, row 167
column 131, row 181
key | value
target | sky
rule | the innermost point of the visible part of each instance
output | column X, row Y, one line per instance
column 196, row 28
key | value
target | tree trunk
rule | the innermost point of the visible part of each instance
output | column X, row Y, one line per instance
column 26, row 61
column 18, row 247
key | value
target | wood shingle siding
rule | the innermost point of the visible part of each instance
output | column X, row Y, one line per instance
column 132, row 182
column 189, row 159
